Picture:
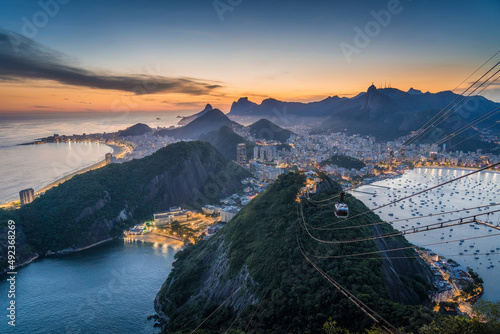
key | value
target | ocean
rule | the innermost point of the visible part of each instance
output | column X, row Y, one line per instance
column 35, row 166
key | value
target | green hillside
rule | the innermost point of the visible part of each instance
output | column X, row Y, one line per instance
column 344, row 162
column 225, row 141
column 99, row 204
column 255, row 267
column 266, row 130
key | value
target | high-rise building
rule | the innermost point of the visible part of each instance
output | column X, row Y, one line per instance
column 263, row 153
column 26, row 196
column 256, row 153
column 241, row 153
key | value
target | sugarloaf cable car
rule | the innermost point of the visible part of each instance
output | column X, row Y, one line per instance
column 341, row 209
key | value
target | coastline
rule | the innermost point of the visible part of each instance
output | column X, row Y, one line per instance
column 17, row 266
column 457, row 167
column 152, row 238
column 117, row 151
column 75, row 250
column 155, row 238
column 116, row 148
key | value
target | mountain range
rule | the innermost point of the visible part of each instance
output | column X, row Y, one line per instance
column 206, row 124
column 385, row 113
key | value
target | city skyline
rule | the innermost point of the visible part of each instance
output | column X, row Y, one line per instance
column 66, row 56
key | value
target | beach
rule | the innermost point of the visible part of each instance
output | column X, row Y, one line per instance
column 118, row 151
column 457, row 167
column 155, row 238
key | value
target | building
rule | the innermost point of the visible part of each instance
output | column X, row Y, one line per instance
column 135, row 231
column 245, row 200
column 174, row 214
column 26, row 196
column 211, row 209
column 108, row 158
column 256, row 153
column 241, row 153
column 175, row 209
column 228, row 213
column 162, row 218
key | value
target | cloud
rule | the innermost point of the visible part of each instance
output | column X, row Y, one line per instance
column 43, row 107
column 22, row 58
column 187, row 104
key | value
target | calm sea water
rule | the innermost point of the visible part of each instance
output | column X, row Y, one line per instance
column 106, row 289
column 34, row 166
column 477, row 190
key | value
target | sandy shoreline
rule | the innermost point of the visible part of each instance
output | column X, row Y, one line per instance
column 461, row 168
column 117, row 150
column 155, row 238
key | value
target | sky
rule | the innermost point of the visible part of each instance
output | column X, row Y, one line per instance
column 148, row 55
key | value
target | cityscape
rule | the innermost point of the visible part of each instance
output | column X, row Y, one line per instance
column 253, row 167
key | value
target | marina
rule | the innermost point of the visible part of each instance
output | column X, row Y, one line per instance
column 444, row 205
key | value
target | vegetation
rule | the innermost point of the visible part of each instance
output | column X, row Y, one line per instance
column 458, row 324
column 135, row 130
column 344, row 162
column 225, row 141
column 91, row 207
column 285, row 293
column 267, row 130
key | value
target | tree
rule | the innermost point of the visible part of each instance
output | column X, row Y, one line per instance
column 459, row 324
column 330, row 327
column 488, row 310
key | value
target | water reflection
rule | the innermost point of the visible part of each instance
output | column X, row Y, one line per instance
column 480, row 189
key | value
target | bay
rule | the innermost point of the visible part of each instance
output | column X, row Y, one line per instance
column 481, row 189
column 106, row 289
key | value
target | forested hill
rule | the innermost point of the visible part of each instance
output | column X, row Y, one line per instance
column 254, row 270
column 225, row 141
column 99, row 204
column 343, row 161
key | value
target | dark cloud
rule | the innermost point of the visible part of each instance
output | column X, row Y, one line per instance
column 22, row 58
column 186, row 104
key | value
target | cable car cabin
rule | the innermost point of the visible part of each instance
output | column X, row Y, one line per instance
column 341, row 210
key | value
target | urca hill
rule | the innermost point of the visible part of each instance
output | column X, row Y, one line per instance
column 252, row 276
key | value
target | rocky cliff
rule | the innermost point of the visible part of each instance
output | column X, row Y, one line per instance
column 188, row 119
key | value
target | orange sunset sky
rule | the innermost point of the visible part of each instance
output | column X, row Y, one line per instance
column 88, row 59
